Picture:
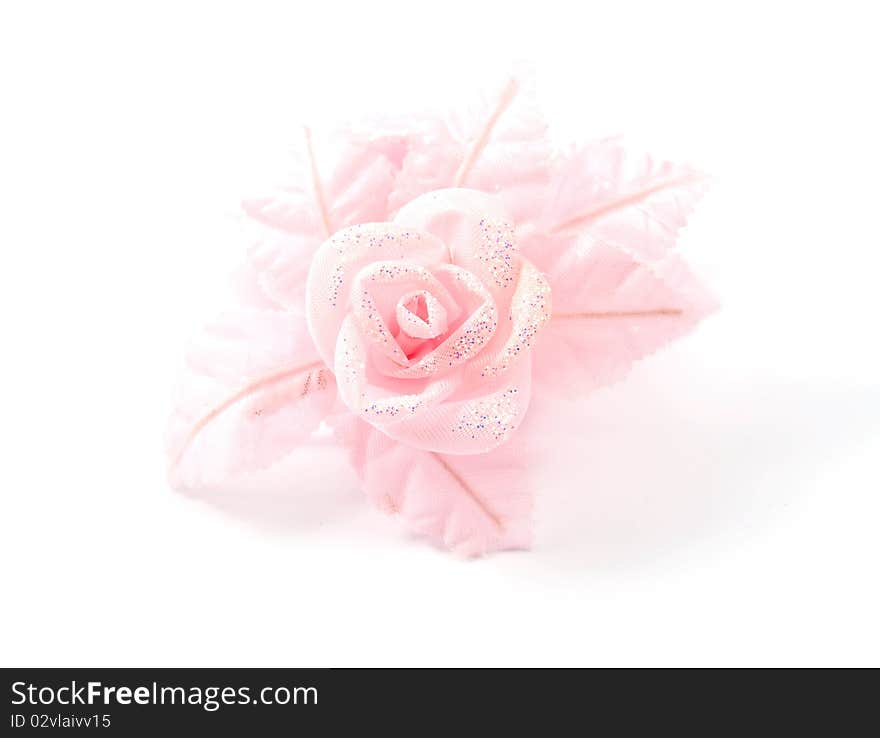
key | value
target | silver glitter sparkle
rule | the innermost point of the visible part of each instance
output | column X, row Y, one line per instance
column 496, row 250
column 530, row 310
column 494, row 416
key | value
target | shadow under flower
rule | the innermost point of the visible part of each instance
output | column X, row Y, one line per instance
column 651, row 471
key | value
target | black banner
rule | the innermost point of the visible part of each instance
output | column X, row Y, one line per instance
column 148, row 702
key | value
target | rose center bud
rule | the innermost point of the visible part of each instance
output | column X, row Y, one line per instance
column 420, row 315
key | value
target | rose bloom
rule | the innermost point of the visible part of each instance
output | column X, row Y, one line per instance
column 428, row 321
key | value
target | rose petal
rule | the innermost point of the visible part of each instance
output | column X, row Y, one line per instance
column 369, row 314
column 420, row 315
column 423, row 413
column 477, row 231
column 340, row 258
column 530, row 310
column 467, row 340
column 467, row 426
column 378, row 399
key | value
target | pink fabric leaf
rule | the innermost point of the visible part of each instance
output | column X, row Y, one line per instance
column 332, row 183
column 280, row 263
column 625, row 199
column 610, row 309
column 471, row 505
column 497, row 145
column 254, row 389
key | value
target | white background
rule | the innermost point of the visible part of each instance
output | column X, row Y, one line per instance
column 720, row 506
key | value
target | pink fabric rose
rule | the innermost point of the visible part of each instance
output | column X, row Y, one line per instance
column 416, row 322
column 428, row 321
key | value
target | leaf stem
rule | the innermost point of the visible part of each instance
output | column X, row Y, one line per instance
column 468, row 490
column 507, row 95
column 258, row 384
column 631, row 199
column 671, row 312
column 316, row 183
